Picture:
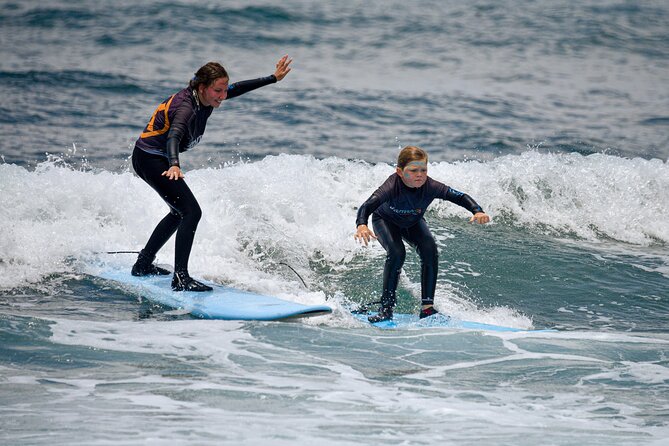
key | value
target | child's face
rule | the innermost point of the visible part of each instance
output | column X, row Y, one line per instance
column 414, row 174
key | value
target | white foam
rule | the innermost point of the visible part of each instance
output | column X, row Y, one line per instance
column 295, row 209
column 633, row 372
column 302, row 386
column 208, row 339
column 586, row 195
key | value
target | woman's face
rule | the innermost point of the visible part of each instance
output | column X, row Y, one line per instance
column 414, row 174
column 214, row 94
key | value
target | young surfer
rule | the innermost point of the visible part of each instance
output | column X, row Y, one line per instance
column 397, row 208
column 176, row 126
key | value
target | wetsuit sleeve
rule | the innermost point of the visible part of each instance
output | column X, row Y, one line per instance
column 367, row 209
column 460, row 198
column 173, row 151
column 241, row 87
column 380, row 196
column 178, row 129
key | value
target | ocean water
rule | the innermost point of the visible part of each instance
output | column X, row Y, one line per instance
column 553, row 115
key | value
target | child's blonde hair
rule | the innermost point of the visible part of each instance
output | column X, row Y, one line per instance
column 409, row 154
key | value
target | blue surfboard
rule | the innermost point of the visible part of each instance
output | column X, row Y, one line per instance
column 222, row 303
column 405, row 321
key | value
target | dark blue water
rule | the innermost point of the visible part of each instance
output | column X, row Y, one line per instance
column 554, row 116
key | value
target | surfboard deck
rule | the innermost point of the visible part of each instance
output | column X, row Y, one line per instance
column 405, row 321
column 222, row 303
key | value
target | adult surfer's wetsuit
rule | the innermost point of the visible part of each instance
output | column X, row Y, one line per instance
column 397, row 212
column 176, row 126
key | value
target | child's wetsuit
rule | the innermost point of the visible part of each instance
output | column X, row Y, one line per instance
column 397, row 212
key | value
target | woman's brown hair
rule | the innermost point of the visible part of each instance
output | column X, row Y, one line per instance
column 207, row 74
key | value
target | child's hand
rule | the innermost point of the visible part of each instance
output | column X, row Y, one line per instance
column 364, row 234
column 480, row 218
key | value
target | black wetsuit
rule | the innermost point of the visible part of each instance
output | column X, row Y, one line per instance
column 176, row 126
column 398, row 214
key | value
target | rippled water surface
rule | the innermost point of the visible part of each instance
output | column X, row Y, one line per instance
column 554, row 116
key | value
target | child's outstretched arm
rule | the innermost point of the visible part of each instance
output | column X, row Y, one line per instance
column 460, row 198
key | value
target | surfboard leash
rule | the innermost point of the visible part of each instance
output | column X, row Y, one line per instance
column 296, row 273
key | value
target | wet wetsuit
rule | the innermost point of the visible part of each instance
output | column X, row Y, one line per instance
column 176, row 126
column 398, row 214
